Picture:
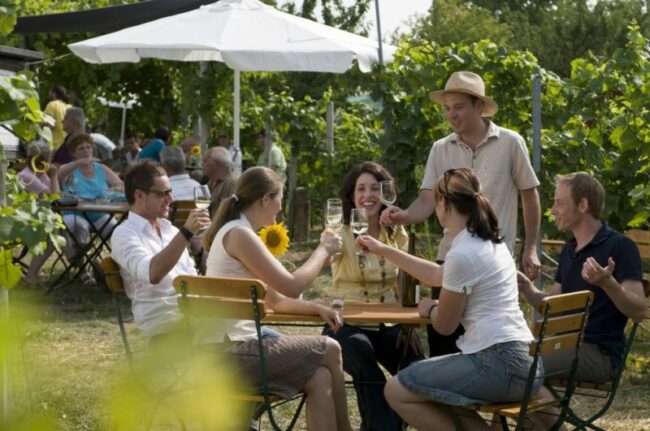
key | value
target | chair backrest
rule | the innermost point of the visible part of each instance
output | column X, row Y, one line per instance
column 222, row 297
column 112, row 275
column 642, row 240
column 560, row 329
column 179, row 211
column 562, row 325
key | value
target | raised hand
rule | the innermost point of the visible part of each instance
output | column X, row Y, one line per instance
column 595, row 274
column 197, row 219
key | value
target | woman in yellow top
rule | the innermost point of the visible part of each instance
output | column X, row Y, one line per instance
column 369, row 278
column 56, row 108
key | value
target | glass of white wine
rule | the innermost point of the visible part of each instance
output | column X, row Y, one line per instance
column 334, row 215
column 358, row 224
column 202, row 197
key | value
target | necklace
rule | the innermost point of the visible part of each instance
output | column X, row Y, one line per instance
column 362, row 265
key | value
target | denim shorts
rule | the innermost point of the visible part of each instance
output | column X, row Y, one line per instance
column 493, row 375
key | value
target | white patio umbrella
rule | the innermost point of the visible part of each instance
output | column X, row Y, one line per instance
column 247, row 35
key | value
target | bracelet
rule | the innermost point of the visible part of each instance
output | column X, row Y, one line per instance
column 431, row 309
column 187, row 234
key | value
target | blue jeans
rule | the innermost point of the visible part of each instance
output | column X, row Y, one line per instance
column 363, row 350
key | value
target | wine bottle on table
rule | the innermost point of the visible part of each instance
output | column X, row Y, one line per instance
column 406, row 282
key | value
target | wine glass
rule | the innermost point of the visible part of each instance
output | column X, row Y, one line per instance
column 202, row 197
column 334, row 215
column 71, row 184
column 359, row 224
column 388, row 192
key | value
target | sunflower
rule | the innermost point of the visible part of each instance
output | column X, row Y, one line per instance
column 196, row 150
column 275, row 237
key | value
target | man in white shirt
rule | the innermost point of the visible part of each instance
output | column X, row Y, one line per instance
column 151, row 252
column 172, row 160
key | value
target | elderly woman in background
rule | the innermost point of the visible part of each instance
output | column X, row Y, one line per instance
column 39, row 177
column 88, row 180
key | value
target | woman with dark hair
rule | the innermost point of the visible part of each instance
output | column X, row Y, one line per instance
column 311, row 364
column 479, row 290
column 369, row 278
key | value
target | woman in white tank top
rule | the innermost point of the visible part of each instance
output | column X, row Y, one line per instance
column 311, row 364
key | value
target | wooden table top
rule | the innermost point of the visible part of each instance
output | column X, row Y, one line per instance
column 360, row 313
column 97, row 206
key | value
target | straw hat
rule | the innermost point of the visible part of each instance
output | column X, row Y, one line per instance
column 468, row 83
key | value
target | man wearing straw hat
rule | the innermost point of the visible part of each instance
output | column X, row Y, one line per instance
column 500, row 160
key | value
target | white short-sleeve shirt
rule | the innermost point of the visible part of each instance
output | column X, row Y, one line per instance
column 486, row 273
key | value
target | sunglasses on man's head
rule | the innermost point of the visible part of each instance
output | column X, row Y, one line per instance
column 162, row 193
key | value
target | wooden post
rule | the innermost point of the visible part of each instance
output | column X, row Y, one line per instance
column 301, row 215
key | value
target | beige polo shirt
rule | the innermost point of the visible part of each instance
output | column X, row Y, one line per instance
column 502, row 165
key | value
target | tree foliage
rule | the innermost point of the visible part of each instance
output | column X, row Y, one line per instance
column 27, row 220
column 555, row 31
column 595, row 120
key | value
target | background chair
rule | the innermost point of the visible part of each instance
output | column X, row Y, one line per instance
column 179, row 211
column 234, row 298
column 560, row 329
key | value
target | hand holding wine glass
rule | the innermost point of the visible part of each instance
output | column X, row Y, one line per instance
column 202, row 198
column 358, row 224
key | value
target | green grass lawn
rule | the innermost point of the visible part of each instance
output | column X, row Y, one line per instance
column 69, row 361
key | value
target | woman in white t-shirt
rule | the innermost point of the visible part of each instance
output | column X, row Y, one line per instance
column 311, row 364
column 479, row 290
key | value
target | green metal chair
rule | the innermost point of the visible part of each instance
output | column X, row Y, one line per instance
column 235, row 298
column 605, row 391
column 560, row 329
column 160, row 386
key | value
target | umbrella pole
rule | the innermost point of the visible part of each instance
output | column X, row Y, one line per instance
column 235, row 123
column 4, row 312
column 381, row 48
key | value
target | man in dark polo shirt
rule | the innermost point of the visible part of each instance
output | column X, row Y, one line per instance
column 598, row 259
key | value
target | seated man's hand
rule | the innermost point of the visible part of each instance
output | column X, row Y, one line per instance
column 595, row 274
column 523, row 282
column 197, row 219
